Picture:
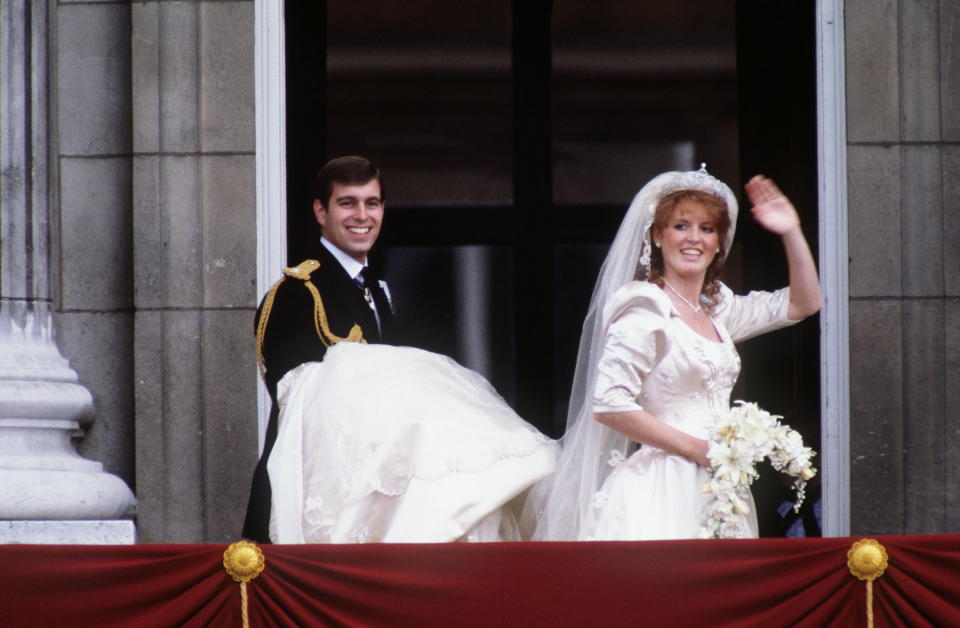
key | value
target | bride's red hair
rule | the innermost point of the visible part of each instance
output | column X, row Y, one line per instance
column 717, row 210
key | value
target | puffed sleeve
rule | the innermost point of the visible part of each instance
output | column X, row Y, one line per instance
column 636, row 341
column 752, row 314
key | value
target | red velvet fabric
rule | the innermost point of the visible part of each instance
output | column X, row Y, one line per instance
column 765, row 582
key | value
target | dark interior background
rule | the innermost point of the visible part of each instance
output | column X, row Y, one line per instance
column 512, row 137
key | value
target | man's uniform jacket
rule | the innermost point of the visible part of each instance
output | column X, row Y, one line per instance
column 288, row 336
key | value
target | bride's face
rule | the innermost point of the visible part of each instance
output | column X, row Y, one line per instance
column 689, row 241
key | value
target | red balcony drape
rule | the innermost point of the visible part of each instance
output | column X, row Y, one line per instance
column 765, row 582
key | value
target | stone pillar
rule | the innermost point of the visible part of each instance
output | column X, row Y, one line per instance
column 903, row 83
column 48, row 492
column 195, row 267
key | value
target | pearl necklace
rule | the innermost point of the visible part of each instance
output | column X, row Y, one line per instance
column 696, row 308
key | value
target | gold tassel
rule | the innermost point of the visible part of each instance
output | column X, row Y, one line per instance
column 867, row 560
column 243, row 561
column 302, row 272
column 262, row 323
column 322, row 326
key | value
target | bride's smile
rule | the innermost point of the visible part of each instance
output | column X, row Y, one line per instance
column 690, row 241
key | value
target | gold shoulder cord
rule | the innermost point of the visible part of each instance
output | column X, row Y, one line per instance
column 302, row 272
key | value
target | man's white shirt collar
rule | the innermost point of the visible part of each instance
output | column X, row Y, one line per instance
column 352, row 266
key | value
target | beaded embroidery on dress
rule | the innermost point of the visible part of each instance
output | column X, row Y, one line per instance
column 686, row 383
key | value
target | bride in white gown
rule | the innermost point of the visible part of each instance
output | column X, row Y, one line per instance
column 394, row 444
column 657, row 361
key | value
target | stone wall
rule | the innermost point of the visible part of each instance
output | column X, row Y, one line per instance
column 91, row 263
column 903, row 124
column 157, row 244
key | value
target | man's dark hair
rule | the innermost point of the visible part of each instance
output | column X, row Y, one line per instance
column 350, row 170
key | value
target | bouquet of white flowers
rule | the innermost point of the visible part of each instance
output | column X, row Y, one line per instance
column 738, row 442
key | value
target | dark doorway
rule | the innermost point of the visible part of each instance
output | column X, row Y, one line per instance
column 776, row 70
column 512, row 136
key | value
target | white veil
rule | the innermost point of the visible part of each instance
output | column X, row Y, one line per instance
column 563, row 504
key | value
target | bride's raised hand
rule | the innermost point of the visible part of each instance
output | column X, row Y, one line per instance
column 771, row 208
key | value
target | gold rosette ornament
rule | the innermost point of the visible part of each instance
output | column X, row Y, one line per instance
column 867, row 560
column 243, row 561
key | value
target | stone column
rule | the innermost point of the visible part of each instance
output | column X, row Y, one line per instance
column 194, row 267
column 48, row 492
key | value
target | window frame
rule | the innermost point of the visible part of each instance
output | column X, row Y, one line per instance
column 535, row 191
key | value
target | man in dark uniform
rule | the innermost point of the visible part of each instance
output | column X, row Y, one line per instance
column 328, row 298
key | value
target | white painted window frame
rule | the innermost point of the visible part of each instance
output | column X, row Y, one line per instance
column 834, row 270
column 270, row 103
column 832, row 177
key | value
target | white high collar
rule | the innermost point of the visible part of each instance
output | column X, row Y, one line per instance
column 352, row 266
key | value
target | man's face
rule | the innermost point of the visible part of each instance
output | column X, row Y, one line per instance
column 352, row 221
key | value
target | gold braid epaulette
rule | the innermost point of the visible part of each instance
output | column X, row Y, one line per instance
column 302, row 271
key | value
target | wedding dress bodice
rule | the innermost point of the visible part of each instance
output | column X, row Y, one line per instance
column 654, row 362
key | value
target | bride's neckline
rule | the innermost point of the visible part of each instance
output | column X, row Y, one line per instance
column 716, row 341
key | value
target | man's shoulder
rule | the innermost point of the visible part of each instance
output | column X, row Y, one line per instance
column 302, row 271
column 319, row 265
column 292, row 285
column 312, row 278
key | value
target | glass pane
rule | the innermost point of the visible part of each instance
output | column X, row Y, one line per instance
column 457, row 300
column 640, row 88
column 423, row 89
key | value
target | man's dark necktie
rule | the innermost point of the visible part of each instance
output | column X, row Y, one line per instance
column 370, row 285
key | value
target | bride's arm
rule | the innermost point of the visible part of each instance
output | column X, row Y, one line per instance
column 776, row 213
column 637, row 340
column 805, row 297
column 643, row 427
